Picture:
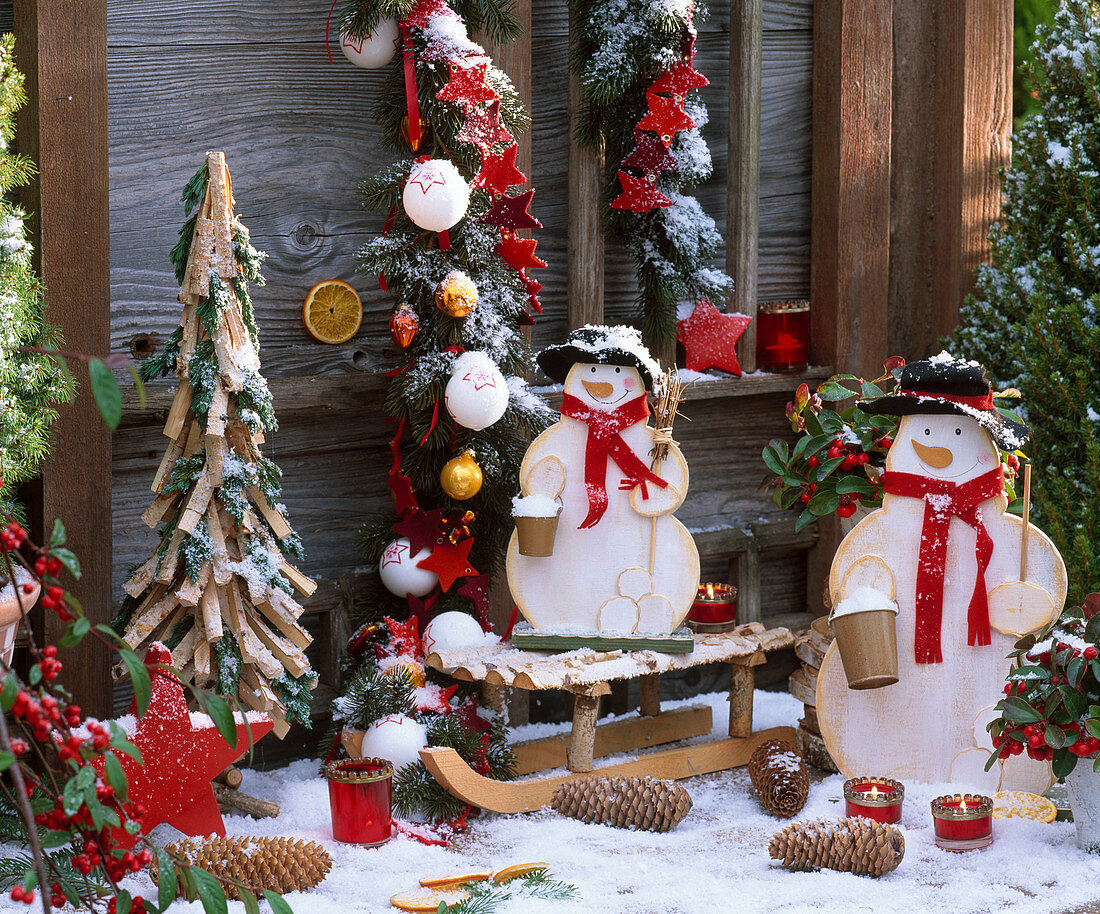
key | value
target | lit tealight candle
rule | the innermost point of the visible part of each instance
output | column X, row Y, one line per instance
column 714, row 609
column 874, row 798
column 963, row 822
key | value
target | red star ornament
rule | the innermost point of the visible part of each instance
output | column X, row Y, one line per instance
column 484, row 129
column 467, row 86
column 476, row 589
column 421, row 528
column 401, row 488
column 421, row 609
column 450, row 562
column 519, row 253
column 709, row 337
column 650, row 154
column 436, row 699
column 499, row 172
column 679, row 79
column 510, row 213
column 404, row 640
column 665, row 117
column 639, row 195
column 424, row 11
column 179, row 759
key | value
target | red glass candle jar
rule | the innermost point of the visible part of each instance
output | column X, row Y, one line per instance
column 963, row 822
column 359, row 797
column 874, row 798
column 714, row 609
column 783, row 335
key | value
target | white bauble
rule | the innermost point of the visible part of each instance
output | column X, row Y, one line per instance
column 436, row 195
column 452, row 630
column 399, row 572
column 477, row 394
column 374, row 51
column 396, row 738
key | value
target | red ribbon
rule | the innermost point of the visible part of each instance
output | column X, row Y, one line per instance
column 984, row 402
column 412, row 105
column 942, row 501
column 604, row 441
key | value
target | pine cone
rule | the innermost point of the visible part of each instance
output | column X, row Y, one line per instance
column 860, row 846
column 279, row 864
column 637, row 803
column 779, row 778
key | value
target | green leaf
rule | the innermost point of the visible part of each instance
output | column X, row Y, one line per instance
column 1062, row 763
column 1075, row 701
column 993, row 756
column 67, row 558
column 116, row 777
column 122, row 906
column 111, row 634
column 772, row 461
column 800, row 448
column 211, row 893
column 871, row 391
column 805, row 518
column 139, row 675
column 1019, row 711
column 850, row 485
column 139, row 385
column 222, row 716
column 72, row 797
column 1092, row 629
column 166, row 869
column 75, row 632
column 1093, row 726
column 828, row 467
column 1055, row 737
column 120, row 742
column 1094, row 710
column 35, row 675
column 831, row 391
column 7, row 759
column 1030, row 671
column 1054, row 699
column 824, row 503
column 1075, row 671
column 251, row 906
column 57, row 535
column 277, row 902
column 8, row 692
column 107, row 393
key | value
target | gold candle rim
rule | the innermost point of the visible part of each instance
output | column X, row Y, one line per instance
column 333, row 771
column 978, row 806
column 727, row 595
column 895, row 795
column 784, row 306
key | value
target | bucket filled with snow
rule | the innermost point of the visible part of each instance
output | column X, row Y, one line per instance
column 536, row 523
column 865, row 625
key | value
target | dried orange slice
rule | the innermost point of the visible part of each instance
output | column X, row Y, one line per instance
column 1018, row 804
column 456, row 879
column 332, row 311
column 518, row 870
column 427, row 900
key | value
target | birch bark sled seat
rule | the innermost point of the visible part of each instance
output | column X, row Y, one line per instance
column 587, row 674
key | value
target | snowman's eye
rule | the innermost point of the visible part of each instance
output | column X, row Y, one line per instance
column 617, row 370
column 958, row 431
column 927, row 432
column 593, row 369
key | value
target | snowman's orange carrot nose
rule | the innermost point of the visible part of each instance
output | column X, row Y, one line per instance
column 938, row 457
column 599, row 388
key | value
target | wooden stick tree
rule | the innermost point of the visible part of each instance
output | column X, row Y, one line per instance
column 219, row 589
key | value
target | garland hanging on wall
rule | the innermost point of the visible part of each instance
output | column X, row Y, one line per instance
column 635, row 59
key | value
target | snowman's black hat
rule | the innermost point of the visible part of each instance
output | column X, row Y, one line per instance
column 948, row 386
column 600, row 346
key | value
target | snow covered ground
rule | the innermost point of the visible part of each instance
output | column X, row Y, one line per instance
column 716, row 860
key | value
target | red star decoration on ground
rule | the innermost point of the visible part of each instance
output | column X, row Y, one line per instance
column 679, row 79
column 467, row 86
column 483, row 128
column 709, row 338
column 665, row 117
column 402, row 489
column 650, row 154
column 179, row 759
column 519, row 253
column 421, row 528
column 499, row 172
column 450, row 562
column 425, row 10
column 639, row 195
column 510, row 213
column 477, row 590
column 404, row 640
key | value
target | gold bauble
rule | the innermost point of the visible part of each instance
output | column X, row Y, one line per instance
column 456, row 295
column 414, row 670
column 461, row 477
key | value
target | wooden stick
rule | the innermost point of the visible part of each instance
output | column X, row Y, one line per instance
column 231, row 777
column 1027, row 514
column 241, row 802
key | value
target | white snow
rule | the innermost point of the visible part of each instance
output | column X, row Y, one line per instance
column 1057, row 153
column 619, row 337
column 863, row 600
column 535, row 506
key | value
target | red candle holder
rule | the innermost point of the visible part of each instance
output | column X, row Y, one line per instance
column 963, row 822
column 783, row 335
column 360, row 801
column 714, row 609
column 874, row 798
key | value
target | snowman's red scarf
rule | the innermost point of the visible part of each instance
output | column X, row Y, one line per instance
column 942, row 501
column 605, row 441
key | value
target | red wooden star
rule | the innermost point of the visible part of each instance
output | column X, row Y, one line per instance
column 510, row 213
column 483, row 128
column 519, row 253
column 467, row 86
column 679, row 79
column 404, row 640
column 709, row 338
column 665, row 117
column 179, row 759
column 499, row 172
column 425, row 10
column 450, row 562
column 477, row 590
column 639, row 195
column 650, row 154
column 421, row 528
column 439, row 702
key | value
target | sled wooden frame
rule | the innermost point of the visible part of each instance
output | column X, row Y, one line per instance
column 586, row 674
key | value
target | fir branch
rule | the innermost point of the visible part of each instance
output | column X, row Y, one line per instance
column 486, row 897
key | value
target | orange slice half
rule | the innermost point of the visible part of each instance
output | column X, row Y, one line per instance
column 1018, row 804
column 332, row 311
column 515, row 872
column 456, row 879
column 427, row 900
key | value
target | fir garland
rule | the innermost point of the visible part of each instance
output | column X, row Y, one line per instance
column 619, row 51
column 1035, row 317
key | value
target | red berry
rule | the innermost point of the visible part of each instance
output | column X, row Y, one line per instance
column 805, row 498
column 1055, row 680
column 40, row 566
column 1035, row 740
column 813, row 486
column 1037, row 754
column 1091, row 652
column 813, row 461
column 1008, row 688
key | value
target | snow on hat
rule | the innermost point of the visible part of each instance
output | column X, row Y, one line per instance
column 593, row 344
column 946, row 385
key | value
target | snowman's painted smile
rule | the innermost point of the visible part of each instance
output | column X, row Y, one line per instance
column 601, row 390
column 938, row 458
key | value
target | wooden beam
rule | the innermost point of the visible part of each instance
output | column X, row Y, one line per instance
column 61, row 47
column 743, row 178
column 849, row 273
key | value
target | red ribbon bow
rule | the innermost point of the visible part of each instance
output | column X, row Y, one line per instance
column 604, row 441
column 942, row 501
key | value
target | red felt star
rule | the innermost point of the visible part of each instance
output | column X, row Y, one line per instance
column 679, row 79
column 402, row 489
column 639, row 195
column 421, row 609
column 510, row 213
column 519, row 253
column 665, row 117
column 473, row 721
column 440, row 702
column 709, row 337
column 404, row 640
column 483, row 128
column 425, row 10
column 525, row 319
column 477, row 590
column 467, row 86
column 450, row 562
column 499, row 172
column 179, row 759
column 650, row 154
column 421, row 528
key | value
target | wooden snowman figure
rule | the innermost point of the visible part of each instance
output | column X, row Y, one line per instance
column 944, row 552
column 621, row 563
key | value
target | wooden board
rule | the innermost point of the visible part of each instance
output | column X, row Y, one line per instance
column 526, row 638
column 448, row 768
column 624, row 735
